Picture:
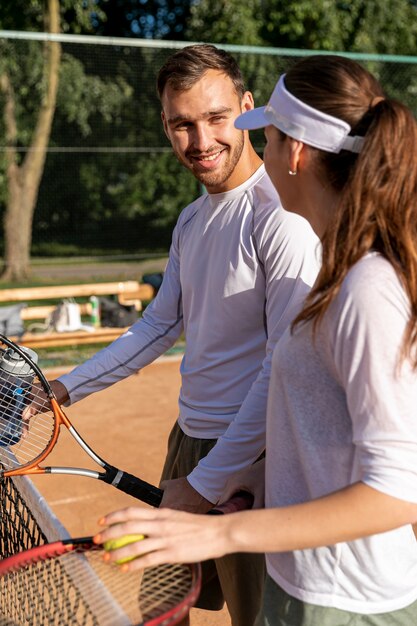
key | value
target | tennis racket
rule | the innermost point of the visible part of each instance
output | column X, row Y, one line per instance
column 22, row 451
column 24, row 448
column 67, row 582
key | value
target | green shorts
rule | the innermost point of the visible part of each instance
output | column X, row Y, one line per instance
column 237, row 579
column 281, row 609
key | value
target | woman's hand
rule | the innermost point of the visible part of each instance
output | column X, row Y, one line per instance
column 169, row 536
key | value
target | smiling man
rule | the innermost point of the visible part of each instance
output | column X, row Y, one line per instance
column 197, row 123
column 239, row 267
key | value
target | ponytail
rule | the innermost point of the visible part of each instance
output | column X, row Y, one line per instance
column 377, row 210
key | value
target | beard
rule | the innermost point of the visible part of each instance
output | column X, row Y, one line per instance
column 220, row 176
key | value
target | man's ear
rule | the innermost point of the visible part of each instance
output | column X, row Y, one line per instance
column 164, row 123
column 247, row 103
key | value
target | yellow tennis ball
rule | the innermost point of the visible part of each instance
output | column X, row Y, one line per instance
column 120, row 542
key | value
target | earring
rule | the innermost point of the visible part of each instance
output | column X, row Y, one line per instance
column 292, row 172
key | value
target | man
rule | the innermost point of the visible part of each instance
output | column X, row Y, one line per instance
column 239, row 267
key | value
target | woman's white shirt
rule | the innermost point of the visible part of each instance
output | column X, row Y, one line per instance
column 341, row 410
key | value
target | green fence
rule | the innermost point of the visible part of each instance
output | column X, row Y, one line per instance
column 110, row 183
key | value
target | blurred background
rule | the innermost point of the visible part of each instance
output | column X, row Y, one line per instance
column 86, row 172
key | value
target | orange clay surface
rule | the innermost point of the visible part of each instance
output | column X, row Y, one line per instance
column 128, row 425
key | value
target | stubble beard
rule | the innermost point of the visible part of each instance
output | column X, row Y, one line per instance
column 219, row 177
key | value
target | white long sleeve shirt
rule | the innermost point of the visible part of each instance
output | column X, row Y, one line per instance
column 239, row 267
column 339, row 412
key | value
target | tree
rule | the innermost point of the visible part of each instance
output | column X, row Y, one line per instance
column 225, row 21
column 367, row 26
column 121, row 182
column 23, row 179
column 356, row 26
column 29, row 88
column 126, row 192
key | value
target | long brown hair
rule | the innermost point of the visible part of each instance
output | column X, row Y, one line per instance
column 378, row 204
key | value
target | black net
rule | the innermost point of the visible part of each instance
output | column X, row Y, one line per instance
column 19, row 530
column 36, row 601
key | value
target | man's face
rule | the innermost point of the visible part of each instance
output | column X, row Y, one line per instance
column 199, row 123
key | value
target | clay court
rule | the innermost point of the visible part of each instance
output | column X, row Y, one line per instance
column 128, row 425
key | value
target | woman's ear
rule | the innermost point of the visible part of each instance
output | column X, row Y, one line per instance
column 296, row 155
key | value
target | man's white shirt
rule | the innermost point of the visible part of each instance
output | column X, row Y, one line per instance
column 239, row 268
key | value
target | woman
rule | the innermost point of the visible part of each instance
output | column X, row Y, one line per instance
column 341, row 460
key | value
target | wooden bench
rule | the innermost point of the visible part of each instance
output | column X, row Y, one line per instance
column 127, row 292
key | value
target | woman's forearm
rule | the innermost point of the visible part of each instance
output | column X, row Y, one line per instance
column 354, row 512
column 175, row 536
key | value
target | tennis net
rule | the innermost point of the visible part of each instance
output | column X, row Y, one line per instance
column 80, row 590
column 27, row 521
column 74, row 592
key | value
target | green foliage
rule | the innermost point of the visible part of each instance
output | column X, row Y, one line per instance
column 55, row 250
column 225, row 21
column 124, row 189
column 81, row 95
column 158, row 188
column 366, row 26
column 372, row 26
column 29, row 15
column 23, row 64
column 133, row 207
column 356, row 26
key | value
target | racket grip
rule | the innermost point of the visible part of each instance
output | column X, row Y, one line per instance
column 240, row 501
column 139, row 489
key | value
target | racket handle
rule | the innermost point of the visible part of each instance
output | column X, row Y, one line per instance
column 240, row 501
column 152, row 495
column 139, row 489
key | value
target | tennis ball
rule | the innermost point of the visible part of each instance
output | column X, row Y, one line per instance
column 120, row 542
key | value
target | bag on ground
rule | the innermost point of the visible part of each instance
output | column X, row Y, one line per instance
column 11, row 323
column 116, row 315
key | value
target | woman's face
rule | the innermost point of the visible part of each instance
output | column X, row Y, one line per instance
column 305, row 193
column 276, row 159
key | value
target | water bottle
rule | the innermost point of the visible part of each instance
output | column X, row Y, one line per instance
column 16, row 377
column 95, row 311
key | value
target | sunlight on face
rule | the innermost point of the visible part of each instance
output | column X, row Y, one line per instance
column 199, row 123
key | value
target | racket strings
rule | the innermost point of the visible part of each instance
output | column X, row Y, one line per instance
column 21, row 443
column 30, row 597
column 165, row 588
column 81, row 589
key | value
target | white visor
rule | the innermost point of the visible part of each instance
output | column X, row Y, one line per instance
column 300, row 121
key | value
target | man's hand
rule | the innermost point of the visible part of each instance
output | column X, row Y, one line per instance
column 251, row 479
column 60, row 391
column 39, row 400
column 178, row 494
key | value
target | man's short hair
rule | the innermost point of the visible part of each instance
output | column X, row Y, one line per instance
column 186, row 66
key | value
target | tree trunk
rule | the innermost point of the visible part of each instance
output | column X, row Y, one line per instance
column 18, row 225
column 24, row 180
